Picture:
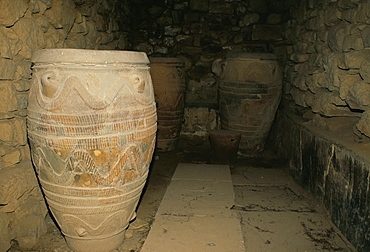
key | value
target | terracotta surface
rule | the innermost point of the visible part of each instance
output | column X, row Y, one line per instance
column 91, row 125
column 249, row 94
column 169, row 88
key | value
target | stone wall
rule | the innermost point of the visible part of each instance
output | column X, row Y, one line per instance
column 322, row 128
column 334, row 169
column 328, row 67
column 25, row 26
column 200, row 32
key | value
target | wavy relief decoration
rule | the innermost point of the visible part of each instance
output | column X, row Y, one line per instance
column 50, row 167
column 84, row 229
column 127, row 167
column 52, row 94
column 141, row 84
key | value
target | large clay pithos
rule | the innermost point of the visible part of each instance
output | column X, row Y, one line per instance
column 92, row 126
column 249, row 94
column 169, row 90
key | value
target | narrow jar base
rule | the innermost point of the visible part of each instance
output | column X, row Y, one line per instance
column 95, row 244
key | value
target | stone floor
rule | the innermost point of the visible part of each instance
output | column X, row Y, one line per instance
column 275, row 213
column 196, row 211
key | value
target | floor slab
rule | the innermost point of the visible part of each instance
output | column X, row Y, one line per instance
column 196, row 212
column 278, row 215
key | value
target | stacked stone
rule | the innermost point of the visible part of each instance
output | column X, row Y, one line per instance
column 202, row 31
column 24, row 27
column 328, row 68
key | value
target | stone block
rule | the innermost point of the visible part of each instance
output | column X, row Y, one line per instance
column 258, row 6
column 318, row 80
column 62, row 14
column 333, row 64
column 352, row 42
column 6, row 132
column 43, row 6
column 332, row 16
column 160, row 49
column 199, row 5
column 76, row 41
column 267, row 32
column 239, row 38
column 358, row 96
column 224, row 37
column 51, row 37
column 10, row 159
column 300, row 97
column 28, row 230
column 191, row 50
column 24, row 70
column 350, row 15
column 364, row 124
column 274, row 18
column 191, row 17
column 196, row 28
column 347, row 4
column 365, row 33
column 7, row 70
column 15, row 181
column 335, row 124
column 2, row 152
column 91, row 30
column 316, row 23
column 22, row 85
column 123, row 41
column 184, row 39
column 299, row 81
column 346, row 82
column 12, row 11
column 365, row 70
column 364, row 9
column 8, row 99
column 20, row 130
column 78, row 28
column 106, row 37
column 299, row 57
column 100, row 23
column 28, row 32
column 109, row 46
column 221, row 8
column 145, row 47
column 168, row 41
column 181, row 6
column 199, row 120
column 322, row 35
column 328, row 103
column 172, row 30
column 10, row 44
column 251, row 18
column 4, row 232
column 34, row 7
column 354, row 59
column 164, row 21
column 336, row 35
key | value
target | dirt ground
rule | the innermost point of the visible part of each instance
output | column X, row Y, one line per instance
column 265, row 225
